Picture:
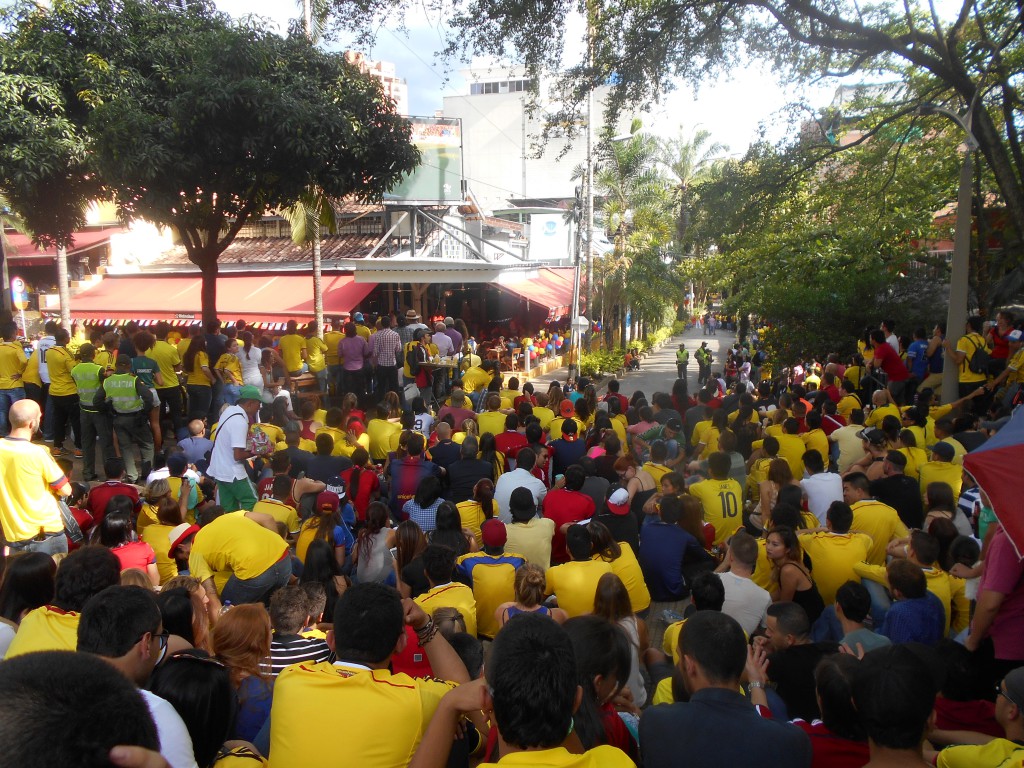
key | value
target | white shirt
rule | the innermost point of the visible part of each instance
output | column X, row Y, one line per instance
column 231, row 434
column 44, row 344
column 7, row 633
column 445, row 347
column 822, row 489
column 175, row 743
column 893, row 342
column 744, row 601
column 508, row 482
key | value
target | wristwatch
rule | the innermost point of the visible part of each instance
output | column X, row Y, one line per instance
column 755, row 684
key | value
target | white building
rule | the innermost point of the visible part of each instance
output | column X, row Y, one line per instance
column 394, row 86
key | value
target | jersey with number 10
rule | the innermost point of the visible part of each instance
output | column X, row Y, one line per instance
column 722, row 502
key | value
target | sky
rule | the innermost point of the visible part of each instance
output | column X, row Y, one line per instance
column 732, row 109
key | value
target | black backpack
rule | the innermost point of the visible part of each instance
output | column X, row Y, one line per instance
column 980, row 360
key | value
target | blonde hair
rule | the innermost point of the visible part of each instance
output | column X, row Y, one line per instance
column 135, row 577
column 530, row 585
column 470, row 428
column 157, row 490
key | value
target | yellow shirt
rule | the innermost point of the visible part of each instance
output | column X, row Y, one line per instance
column 451, row 595
column 273, row 432
column 792, row 449
column 834, row 556
column 45, row 629
column 998, row 752
column 158, row 537
column 916, row 457
column 657, row 471
column 968, row 345
column 874, row 419
column 147, row 517
column 363, row 331
column 545, row 416
column 235, row 545
column 532, row 540
column 230, row 364
column 281, row 512
column 491, row 422
column 167, row 359
column 474, row 379
column 817, row 440
column 472, row 516
column 575, row 584
column 763, row 568
column 627, row 568
column 941, row 472
column 699, row 429
column 341, row 446
column 291, row 347
column 847, row 404
column 1016, row 368
column 28, row 473
column 316, row 350
column 603, row 756
column 758, row 472
column 493, row 580
column 380, row 432
column 331, row 341
column 307, row 533
column 31, row 374
column 60, row 362
column 307, row 693
column 197, row 377
column 881, row 523
column 722, row 502
column 12, row 365
column 106, row 359
column 183, row 345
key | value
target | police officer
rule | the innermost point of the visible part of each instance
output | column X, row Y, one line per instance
column 95, row 422
column 131, row 401
column 682, row 360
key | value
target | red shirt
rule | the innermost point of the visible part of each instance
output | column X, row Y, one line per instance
column 136, row 554
column 889, row 361
column 509, row 444
column 830, row 424
column 368, row 483
column 620, row 397
column 85, row 522
column 977, row 716
column 265, row 491
column 831, row 751
column 101, row 495
column 565, row 506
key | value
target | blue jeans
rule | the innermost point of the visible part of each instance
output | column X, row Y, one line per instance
column 53, row 544
column 8, row 397
column 254, row 590
column 231, row 392
column 880, row 601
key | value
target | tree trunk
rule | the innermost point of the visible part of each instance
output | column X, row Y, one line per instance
column 318, row 293
column 209, row 269
column 63, row 289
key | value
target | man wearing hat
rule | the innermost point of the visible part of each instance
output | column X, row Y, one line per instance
column 230, row 453
column 492, row 574
column 361, row 327
column 180, row 538
column 616, row 518
column 873, row 442
column 669, row 433
column 131, row 401
column 1009, row 713
column 941, row 469
column 452, row 333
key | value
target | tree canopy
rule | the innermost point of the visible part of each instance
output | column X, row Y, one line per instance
column 189, row 119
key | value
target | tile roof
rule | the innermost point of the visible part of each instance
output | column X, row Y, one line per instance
column 278, row 250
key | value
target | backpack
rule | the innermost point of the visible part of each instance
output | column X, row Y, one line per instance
column 413, row 360
column 258, row 442
column 979, row 361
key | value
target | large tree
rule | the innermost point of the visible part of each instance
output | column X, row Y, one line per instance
column 201, row 123
column 971, row 60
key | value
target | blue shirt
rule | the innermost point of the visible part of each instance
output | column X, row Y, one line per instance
column 916, row 359
column 920, row 620
column 424, row 517
column 664, row 547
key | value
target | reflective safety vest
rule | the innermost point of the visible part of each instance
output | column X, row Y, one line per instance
column 120, row 389
column 682, row 356
column 87, row 379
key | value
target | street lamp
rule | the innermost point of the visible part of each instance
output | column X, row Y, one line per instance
column 956, row 318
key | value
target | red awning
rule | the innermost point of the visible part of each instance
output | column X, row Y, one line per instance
column 264, row 298
column 20, row 248
column 551, row 288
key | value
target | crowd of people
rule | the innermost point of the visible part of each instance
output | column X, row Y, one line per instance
column 496, row 572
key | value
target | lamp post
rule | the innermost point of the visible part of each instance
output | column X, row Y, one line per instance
column 956, row 318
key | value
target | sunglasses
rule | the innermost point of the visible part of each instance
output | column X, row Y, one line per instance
column 1005, row 695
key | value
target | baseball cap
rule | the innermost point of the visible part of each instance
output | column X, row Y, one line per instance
column 618, row 502
column 566, row 409
column 358, row 317
column 1014, row 682
column 944, row 451
column 328, row 500
column 249, row 392
column 674, row 425
column 178, row 535
column 569, row 427
column 176, row 463
column 872, row 435
column 493, row 533
column 450, row 322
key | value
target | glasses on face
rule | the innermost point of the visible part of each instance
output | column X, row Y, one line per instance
column 1005, row 695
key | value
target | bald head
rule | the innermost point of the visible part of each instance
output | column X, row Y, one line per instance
column 24, row 414
column 879, row 398
column 444, row 431
column 439, row 327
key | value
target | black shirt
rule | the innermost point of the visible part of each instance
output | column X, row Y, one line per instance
column 623, row 529
column 597, row 489
column 665, row 415
column 903, row 494
column 565, row 453
column 970, row 440
column 792, row 672
column 299, row 461
column 446, row 453
column 463, row 475
column 323, row 468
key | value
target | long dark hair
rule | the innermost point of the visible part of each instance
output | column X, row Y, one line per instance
column 427, row 492
column 483, row 494
column 449, row 529
column 601, row 648
column 409, row 541
column 116, row 529
column 177, row 612
column 28, row 584
column 197, row 345
column 320, row 567
column 360, row 457
column 246, row 338
column 376, row 521
column 611, row 600
column 603, row 542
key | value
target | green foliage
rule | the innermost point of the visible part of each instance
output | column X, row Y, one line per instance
column 191, row 120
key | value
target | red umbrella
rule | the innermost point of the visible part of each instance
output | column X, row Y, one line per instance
column 997, row 466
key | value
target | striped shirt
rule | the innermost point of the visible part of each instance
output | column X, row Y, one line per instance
column 386, row 347
column 286, row 650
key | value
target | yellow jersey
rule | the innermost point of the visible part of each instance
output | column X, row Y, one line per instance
column 833, row 557
column 627, row 568
column 197, row 377
column 60, row 362
column 491, row 422
column 316, row 353
column 157, row 536
column 493, row 579
column 575, row 584
column 881, row 523
column 233, row 544
column 281, row 512
column 474, row 379
column 969, row 344
column 291, row 347
column 874, row 419
column 12, row 365
column 45, row 629
column 306, row 693
column 331, row 340
column 817, row 440
column 792, row 449
column 230, row 364
column 472, row 516
column 27, row 506
column 722, row 501
column 167, row 359
column 380, row 433
column 603, row 756
column 451, row 595
column 941, row 472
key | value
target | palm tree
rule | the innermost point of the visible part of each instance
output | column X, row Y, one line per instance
column 688, row 160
